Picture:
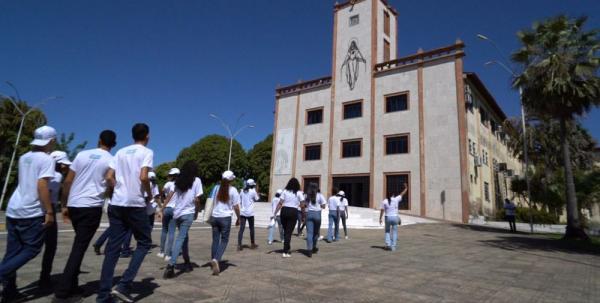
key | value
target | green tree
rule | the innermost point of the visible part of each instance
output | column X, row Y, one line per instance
column 162, row 171
column 10, row 120
column 210, row 154
column 559, row 81
column 64, row 143
column 259, row 164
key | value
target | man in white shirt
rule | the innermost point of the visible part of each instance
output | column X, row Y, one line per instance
column 334, row 218
column 128, row 173
column 82, row 199
column 248, row 196
column 29, row 211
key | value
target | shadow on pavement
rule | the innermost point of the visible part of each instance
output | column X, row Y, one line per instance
column 378, row 247
column 486, row 229
column 523, row 243
column 223, row 265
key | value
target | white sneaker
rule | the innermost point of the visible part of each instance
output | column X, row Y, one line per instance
column 286, row 255
column 346, row 237
column 167, row 258
column 160, row 255
column 270, row 242
column 321, row 238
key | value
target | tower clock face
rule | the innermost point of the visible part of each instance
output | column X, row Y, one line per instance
column 352, row 64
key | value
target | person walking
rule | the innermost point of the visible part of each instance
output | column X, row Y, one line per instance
column 168, row 225
column 289, row 202
column 343, row 214
column 29, row 212
column 186, row 203
column 128, row 173
column 333, row 229
column 83, row 196
column 247, row 196
column 62, row 164
column 389, row 208
column 228, row 200
column 509, row 213
column 315, row 202
column 275, row 218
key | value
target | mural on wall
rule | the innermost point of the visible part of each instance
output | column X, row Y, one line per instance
column 352, row 63
column 283, row 151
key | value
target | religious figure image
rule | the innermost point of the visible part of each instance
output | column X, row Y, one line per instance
column 351, row 64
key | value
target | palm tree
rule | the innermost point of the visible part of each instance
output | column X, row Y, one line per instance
column 560, row 80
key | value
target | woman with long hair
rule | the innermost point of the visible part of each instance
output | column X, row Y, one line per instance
column 168, row 225
column 227, row 202
column 247, row 197
column 389, row 207
column 186, row 202
column 288, row 204
column 315, row 202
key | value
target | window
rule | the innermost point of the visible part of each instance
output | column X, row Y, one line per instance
column 396, row 102
column 470, row 147
column 397, row 144
column 484, row 116
column 314, row 116
column 354, row 20
column 486, row 191
column 351, row 149
column 386, row 50
column 386, row 23
column 312, row 152
column 353, row 110
column 493, row 126
column 394, row 184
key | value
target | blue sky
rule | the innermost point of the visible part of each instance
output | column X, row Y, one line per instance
column 171, row 63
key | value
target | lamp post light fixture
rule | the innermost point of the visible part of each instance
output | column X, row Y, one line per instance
column 231, row 133
column 23, row 116
column 523, row 119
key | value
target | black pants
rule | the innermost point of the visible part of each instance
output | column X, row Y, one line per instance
column 86, row 221
column 511, row 223
column 288, row 220
column 243, row 220
column 50, row 239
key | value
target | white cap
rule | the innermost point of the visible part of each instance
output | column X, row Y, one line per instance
column 228, row 175
column 174, row 171
column 60, row 157
column 341, row 193
column 250, row 182
column 151, row 175
column 279, row 191
column 43, row 135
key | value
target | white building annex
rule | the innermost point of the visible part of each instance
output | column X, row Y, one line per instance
column 380, row 121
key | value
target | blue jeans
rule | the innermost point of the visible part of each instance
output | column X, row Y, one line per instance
column 122, row 220
column 391, row 226
column 183, row 224
column 272, row 229
column 104, row 236
column 168, row 231
column 24, row 241
column 334, row 219
column 220, row 236
column 313, row 225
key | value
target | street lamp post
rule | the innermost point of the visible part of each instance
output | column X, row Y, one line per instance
column 523, row 124
column 23, row 116
column 232, row 134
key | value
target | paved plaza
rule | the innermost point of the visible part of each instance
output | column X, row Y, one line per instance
column 434, row 263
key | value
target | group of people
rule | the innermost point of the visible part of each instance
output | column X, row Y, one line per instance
column 126, row 185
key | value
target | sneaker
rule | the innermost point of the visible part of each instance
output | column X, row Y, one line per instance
column 188, row 267
column 240, row 248
column 286, row 255
column 169, row 272
column 167, row 258
column 215, row 267
column 160, row 255
column 97, row 250
column 315, row 250
column 387, row 248
column 121, row 295
column 346, row 237
column 320, row 238
column 253, row 246
column 270, row 242
column 309, row 254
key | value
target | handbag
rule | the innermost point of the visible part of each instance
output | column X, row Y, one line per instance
column 208, row 209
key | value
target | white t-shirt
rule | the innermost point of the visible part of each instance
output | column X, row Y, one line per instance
column 317, row 206
column 343, row 204
column 225, row 209
column 54, row 187
column 247, row 202
column 183, row 203
column 25, row 201
column 274, row 205
column 292, row 200
column 167, row 190
column 334, row 203
column 89, row 184
column 391, row 207
column 151, row 207
column 128, row 164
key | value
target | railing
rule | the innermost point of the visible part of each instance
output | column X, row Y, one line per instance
column 421, row 56
column 302, row 86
